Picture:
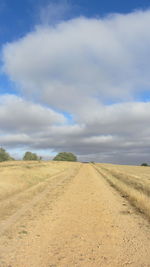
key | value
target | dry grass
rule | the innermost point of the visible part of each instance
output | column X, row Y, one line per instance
column 21, row 175
column 20, row 181
column 132, row 181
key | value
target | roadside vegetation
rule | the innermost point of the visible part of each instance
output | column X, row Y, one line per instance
column 134, row 187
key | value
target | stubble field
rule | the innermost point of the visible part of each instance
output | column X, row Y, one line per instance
column 70, row 214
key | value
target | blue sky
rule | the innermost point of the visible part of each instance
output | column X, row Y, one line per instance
column 75, row 77
column 19, row 17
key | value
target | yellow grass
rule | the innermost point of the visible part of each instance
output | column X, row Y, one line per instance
column 20, row 175
column 132, row 181
column 20, row 181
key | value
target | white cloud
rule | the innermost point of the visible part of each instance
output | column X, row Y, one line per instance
column 83, row 58
column 19, row 115
column 78, row 66
column 121, row 133
column 98, row 139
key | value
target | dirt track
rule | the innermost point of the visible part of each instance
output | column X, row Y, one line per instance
column 78, row 221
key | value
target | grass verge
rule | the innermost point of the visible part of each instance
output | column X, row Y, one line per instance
column 136, row 197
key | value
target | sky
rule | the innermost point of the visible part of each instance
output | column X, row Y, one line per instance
column 75, row 77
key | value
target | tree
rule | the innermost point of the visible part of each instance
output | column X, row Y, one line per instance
column 30, row 156
column 65, row 156
column 4, row 156
column 144, row 164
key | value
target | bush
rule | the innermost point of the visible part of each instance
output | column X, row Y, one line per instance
column 4, row 156
column 144, row 164
column 30, row 156
column 65, row 156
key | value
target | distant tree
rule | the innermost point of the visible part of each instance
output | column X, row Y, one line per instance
column 144, row 164
column 30, row 156
column 4, row 156
column 65, row 156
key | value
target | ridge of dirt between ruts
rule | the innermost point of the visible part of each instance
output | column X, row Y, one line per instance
column 50, row 184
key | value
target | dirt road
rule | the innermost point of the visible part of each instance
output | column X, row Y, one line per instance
column 79, row 221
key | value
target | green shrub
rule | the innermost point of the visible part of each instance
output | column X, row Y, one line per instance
column 144, row 164
column 65, row 156
column 30, row 156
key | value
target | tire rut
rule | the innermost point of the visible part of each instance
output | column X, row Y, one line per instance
column 54, row 181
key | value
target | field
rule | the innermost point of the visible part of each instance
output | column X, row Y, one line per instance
column 74, row 214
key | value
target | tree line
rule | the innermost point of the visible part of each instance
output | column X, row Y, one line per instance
column 62, row 156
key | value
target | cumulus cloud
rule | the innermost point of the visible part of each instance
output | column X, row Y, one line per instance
column 81, row 67
column 92, row 58
column 19, row 115
column 120, row 134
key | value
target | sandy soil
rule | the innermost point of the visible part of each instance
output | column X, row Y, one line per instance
column 78, row 220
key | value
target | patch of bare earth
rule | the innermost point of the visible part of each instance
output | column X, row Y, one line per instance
column 79, row 221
